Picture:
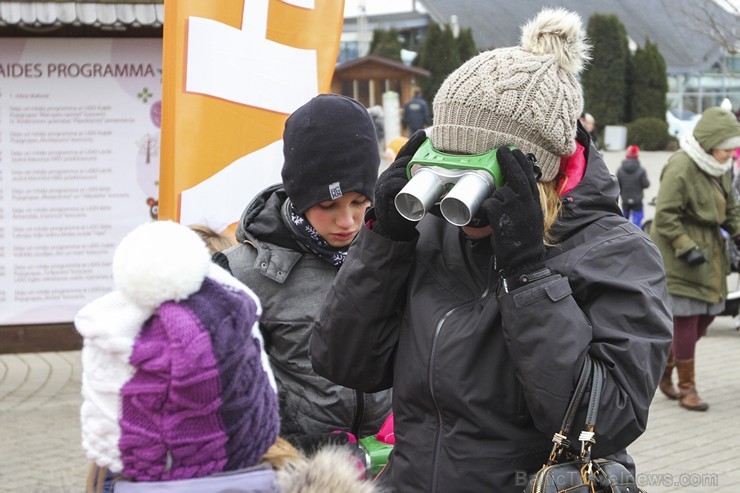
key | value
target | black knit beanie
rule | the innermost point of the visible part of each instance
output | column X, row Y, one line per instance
column 330, row 149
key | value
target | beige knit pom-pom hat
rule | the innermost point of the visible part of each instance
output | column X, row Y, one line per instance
column 526, row 96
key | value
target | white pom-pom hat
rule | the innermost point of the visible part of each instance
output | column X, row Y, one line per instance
column 160, row 261
column 175, row 380
column 526, row 96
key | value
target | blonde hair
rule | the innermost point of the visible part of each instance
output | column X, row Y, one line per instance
column 215, row 242
column 551, row 207
column 278, row 455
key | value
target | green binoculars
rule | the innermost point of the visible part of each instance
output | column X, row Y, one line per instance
column 377, row 453
column 459, row 183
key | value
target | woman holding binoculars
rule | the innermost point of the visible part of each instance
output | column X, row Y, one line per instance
column 482, row 330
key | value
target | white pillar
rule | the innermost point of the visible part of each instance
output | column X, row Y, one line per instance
column 392, row 112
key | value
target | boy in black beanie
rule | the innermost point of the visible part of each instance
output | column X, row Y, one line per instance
column 293, row 239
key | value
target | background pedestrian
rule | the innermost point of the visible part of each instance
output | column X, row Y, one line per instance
column 633, row 180
column 695, row 203
column 415, row 113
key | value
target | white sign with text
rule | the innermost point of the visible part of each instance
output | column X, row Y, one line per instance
column 79, row 167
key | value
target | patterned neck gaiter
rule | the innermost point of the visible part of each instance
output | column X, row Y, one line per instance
column 309, row 238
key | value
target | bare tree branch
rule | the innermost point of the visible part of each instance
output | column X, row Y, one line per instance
column 706, row 18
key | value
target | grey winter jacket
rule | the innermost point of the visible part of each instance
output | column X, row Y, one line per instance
column 481, row 381
column 633, row 180
column 292, row 284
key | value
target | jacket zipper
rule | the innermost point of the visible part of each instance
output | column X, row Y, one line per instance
column 359, row 414
column 430, row 375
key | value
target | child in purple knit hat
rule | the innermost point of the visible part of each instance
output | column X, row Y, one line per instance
column 177, row 391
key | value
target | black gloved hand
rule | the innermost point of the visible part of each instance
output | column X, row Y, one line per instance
column 388, row 221
column 694, row 257
column 515, row 215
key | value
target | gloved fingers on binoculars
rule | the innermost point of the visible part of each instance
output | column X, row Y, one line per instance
column 500, row 198
column 495, row 205
column 412, row 145
column 517, row 168
column 390, row 183
column 399, row 163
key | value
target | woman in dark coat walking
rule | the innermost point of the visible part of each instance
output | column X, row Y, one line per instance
column 695, row 202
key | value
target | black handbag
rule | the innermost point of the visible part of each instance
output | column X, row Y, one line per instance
column 566, row 472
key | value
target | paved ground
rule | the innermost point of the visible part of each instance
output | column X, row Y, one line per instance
column 653, row 163
column 681, row 451
column 40, row 400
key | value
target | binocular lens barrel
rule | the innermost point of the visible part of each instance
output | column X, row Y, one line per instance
column 419, row 195
column 462, row 202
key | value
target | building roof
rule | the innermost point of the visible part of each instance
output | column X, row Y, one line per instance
column 105, row 15
column 373, row 63
column 679, row 27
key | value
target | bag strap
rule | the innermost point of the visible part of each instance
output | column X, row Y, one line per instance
column 594, row 369
column 588, row 435
column 560, row 439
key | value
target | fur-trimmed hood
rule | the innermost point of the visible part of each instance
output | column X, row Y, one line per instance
column 330, row 470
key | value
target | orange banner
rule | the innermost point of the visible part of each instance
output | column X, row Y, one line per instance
column 233, row 70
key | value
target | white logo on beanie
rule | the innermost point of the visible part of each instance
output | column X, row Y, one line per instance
column 335, row 191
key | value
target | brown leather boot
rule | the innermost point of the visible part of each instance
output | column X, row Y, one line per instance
column 666, row 381
column 688, row 397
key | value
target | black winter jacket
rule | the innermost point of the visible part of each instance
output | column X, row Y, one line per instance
column 633, row 180
column 416, row 114
column 481, row 381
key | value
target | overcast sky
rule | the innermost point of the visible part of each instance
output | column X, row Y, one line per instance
column 385, row 6
column 378, row 6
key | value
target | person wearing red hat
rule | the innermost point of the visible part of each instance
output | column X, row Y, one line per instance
column 633, row 180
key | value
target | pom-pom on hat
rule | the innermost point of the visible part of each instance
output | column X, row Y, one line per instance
column 633, row 152
column 330, row 148
column 175, row 381
column 526, row 96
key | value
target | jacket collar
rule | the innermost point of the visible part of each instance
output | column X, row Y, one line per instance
column 594, row 197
